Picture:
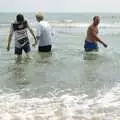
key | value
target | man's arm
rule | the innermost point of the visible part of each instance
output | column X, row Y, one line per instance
column 10, row 38
column 31, row 31
column 94, row 34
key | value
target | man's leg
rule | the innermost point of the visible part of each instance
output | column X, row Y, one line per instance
column 27, row 50
column 18, row 52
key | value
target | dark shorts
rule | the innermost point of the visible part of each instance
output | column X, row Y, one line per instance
column 90, row 46
column 45, row 48
column 26, row 48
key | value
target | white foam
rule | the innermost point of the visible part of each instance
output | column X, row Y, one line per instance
column 70, row 23
column 79, row 24
column 65, row 107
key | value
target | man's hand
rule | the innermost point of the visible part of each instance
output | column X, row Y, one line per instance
column 34, row 44
column 105, row 45
column 8, row 48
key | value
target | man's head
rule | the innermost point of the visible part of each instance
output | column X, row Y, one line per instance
column 20, row 18
column 39, row 16
column 96, row 20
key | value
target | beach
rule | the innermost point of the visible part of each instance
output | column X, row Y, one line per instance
column 66, row 84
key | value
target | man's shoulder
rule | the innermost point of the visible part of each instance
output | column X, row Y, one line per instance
column 44, row 24
column 91, row 27
column 14, row 22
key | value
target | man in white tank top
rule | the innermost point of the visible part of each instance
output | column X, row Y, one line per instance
column 44, row 34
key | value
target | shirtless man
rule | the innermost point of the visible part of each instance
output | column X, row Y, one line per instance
column 92, row 38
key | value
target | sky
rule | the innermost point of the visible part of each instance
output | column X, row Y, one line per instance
column 60, row 5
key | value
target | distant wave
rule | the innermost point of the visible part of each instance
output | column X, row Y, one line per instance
column 70, row 24
column 110, row 25
column 4, row 25
column 84, row 25
column 70, row 27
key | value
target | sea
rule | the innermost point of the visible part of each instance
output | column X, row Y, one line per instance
column 67, row 83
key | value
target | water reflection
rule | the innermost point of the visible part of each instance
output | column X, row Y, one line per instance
column 18, row 73
column 45, row 54
column 43, row 57
column 91, row 56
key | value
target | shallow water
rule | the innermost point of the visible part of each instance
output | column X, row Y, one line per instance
column 66, row 84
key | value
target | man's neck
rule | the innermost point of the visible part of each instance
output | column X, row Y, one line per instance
column 95, row 25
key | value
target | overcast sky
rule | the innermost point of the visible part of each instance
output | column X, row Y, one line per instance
column 60, row 5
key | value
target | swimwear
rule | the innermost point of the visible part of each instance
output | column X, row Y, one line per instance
column 90, row 46
column 25, row 45
column 45, row 48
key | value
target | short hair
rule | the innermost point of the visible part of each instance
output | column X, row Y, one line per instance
column 20, row 18
column 39, row 16
column 95, row 17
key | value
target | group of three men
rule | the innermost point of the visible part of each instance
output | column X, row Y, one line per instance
column 44, row 35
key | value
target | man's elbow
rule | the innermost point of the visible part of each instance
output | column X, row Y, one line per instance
column 10, row 36
column 30, row 30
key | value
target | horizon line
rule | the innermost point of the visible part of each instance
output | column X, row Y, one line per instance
column 52, row 12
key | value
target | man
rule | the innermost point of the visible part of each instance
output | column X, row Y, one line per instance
column 92, row 37
column 19, row 28
column 43, row 34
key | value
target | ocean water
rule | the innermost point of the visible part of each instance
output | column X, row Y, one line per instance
column 66, row 84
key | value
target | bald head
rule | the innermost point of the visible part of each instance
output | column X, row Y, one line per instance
column 96, row 20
